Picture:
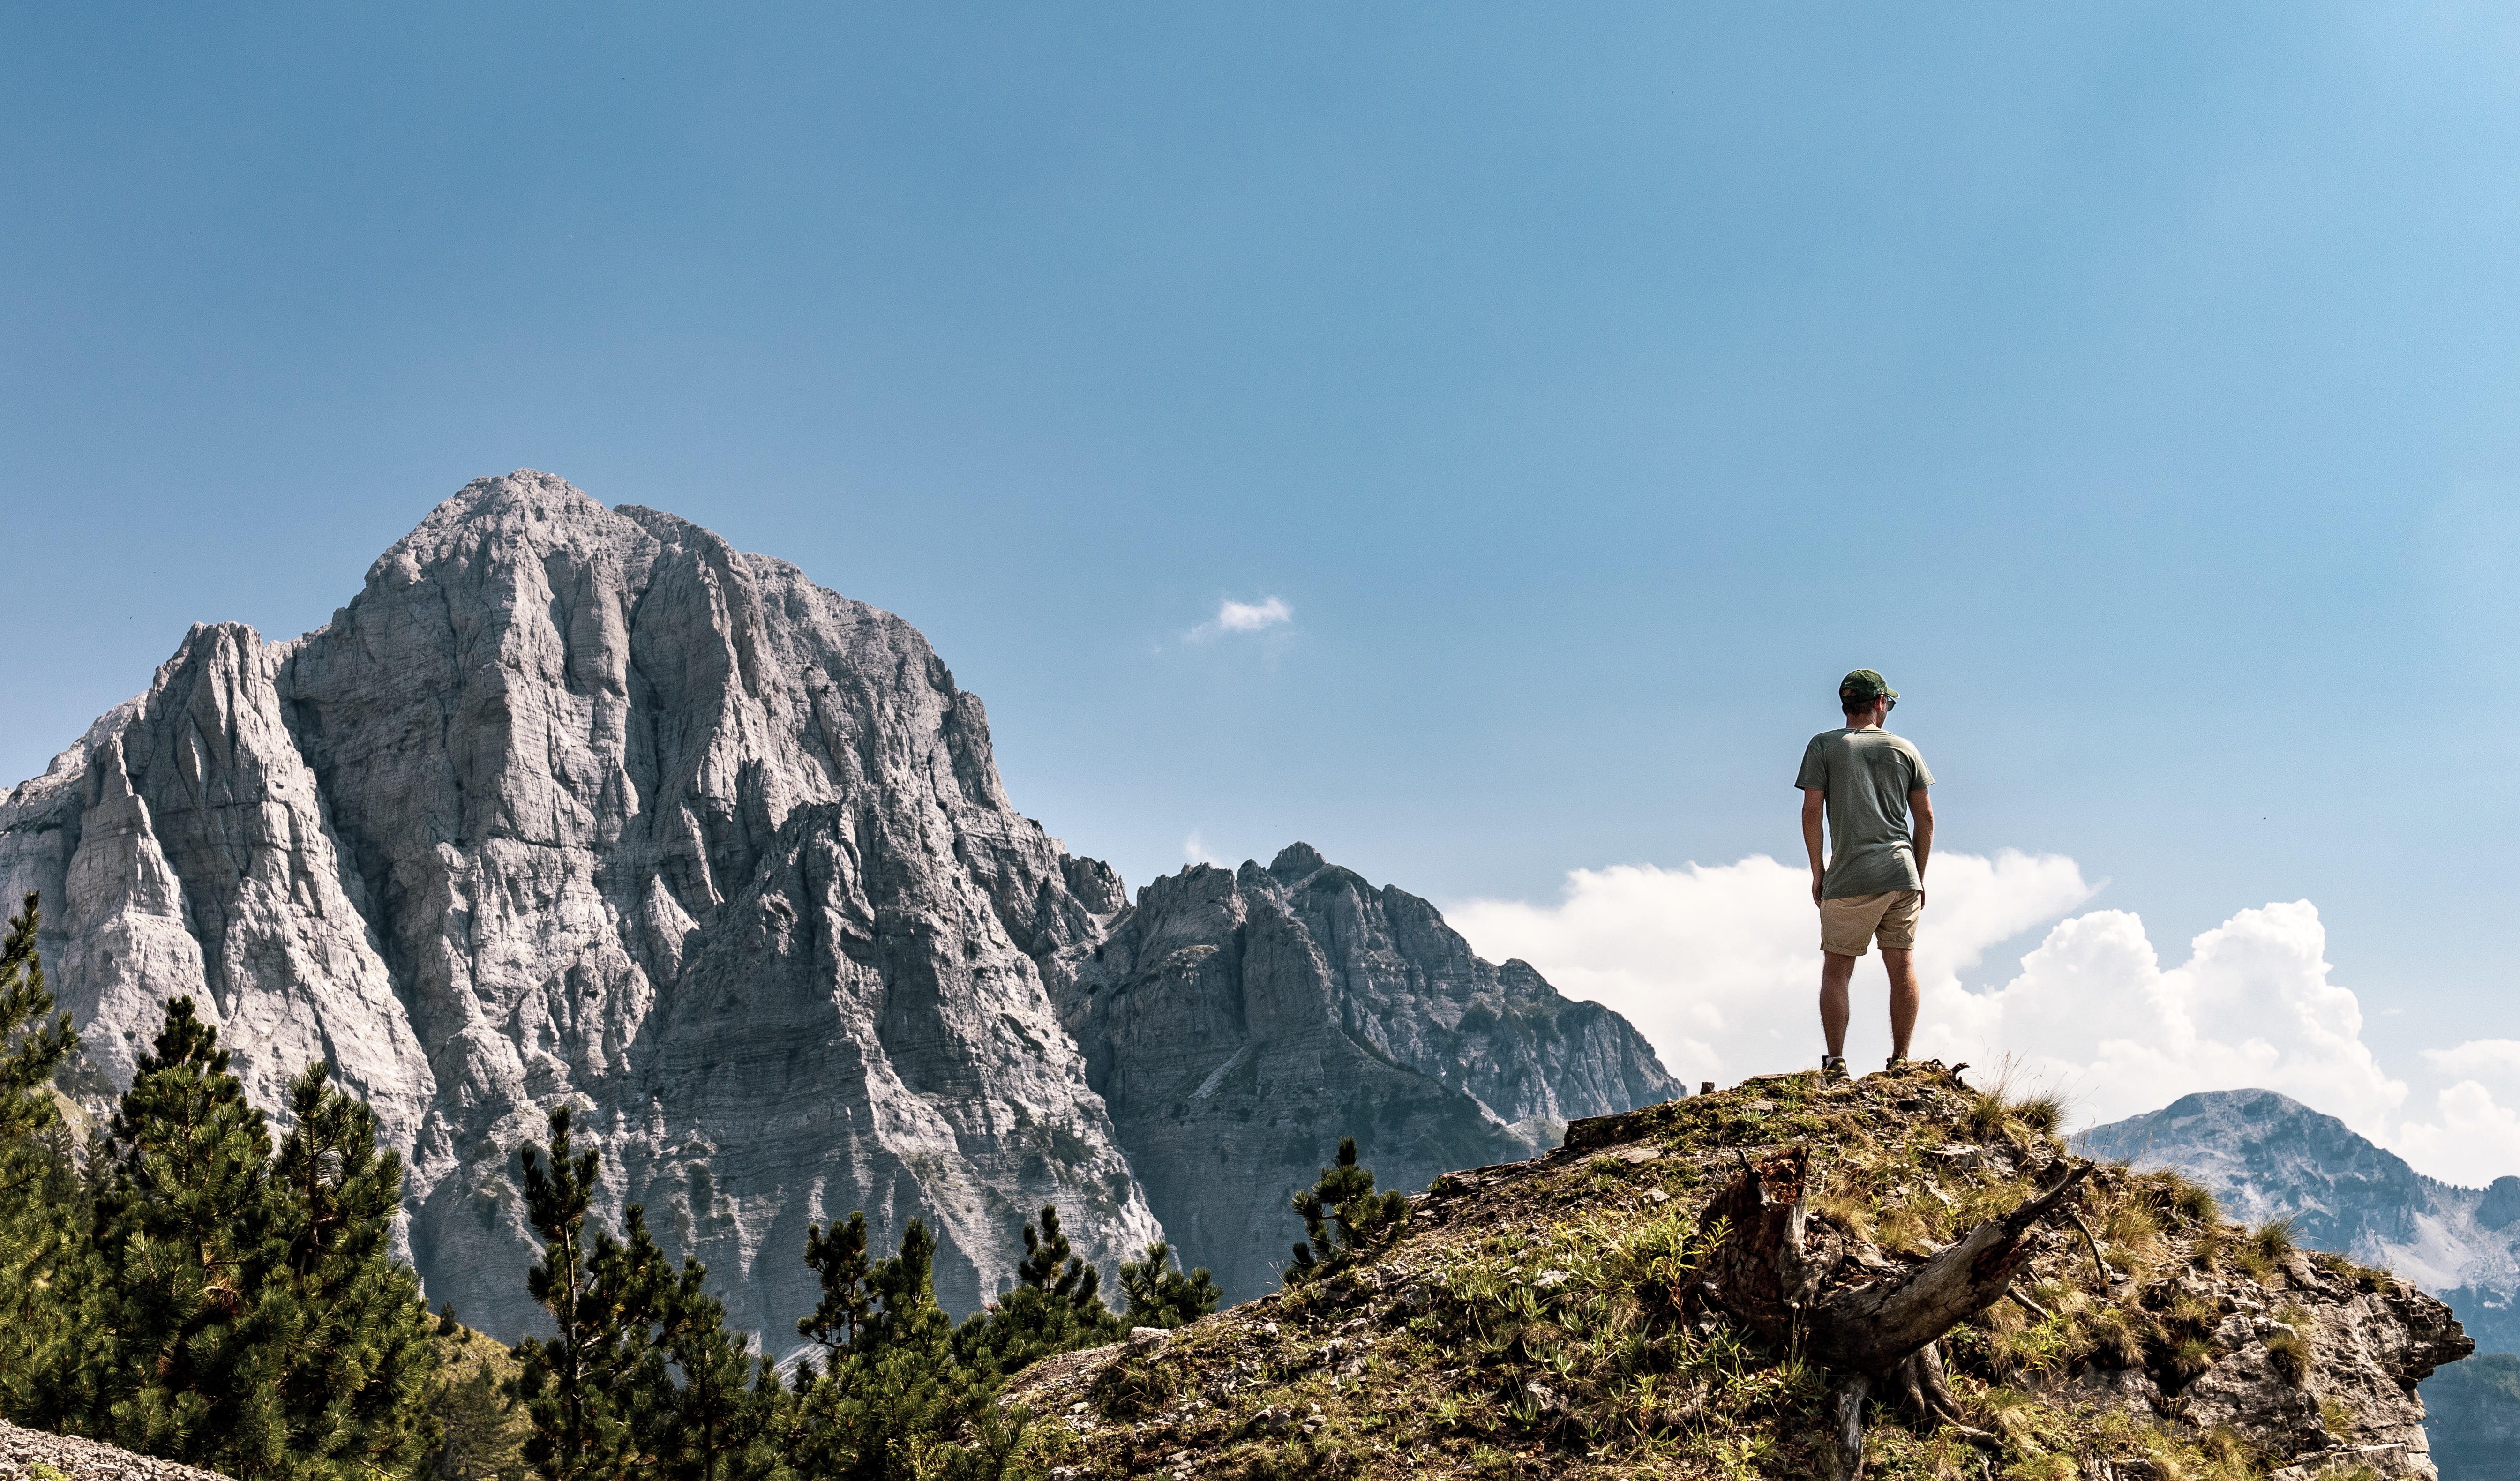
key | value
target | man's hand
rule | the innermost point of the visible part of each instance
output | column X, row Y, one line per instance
column 1920, row 806
column 1815, row 803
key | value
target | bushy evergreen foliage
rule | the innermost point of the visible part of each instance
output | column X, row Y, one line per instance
column 198, row 1293
column 891, row 1400
column 839, row 1260
column 33, row 1041
column 1160, row 1295
column 641, row 1374
column 1055, row 1307
column 1343, row 1215
column 355, row 1384
column 229, row 1307
column 711, row 1425
column 573, row 1384
column 43, row 1205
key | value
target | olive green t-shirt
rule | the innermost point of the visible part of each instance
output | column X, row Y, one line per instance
column 1867, row 776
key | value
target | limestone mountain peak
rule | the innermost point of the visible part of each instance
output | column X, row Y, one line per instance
column 581, row 806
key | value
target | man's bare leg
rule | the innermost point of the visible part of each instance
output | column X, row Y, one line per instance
column 1903, row 998
column 1835, row 972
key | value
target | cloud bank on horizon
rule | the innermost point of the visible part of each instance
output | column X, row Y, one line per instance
column 1718, row 966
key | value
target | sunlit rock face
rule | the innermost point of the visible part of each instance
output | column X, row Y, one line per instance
column 1240, row 1022
column 576, row 805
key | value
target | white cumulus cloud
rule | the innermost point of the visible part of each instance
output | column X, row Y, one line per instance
column 1719, row 968
column 1233, row 616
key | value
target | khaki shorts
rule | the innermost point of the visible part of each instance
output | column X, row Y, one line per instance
column 1847, row 927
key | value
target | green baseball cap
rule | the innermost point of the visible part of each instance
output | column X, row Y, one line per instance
column 1866, row 683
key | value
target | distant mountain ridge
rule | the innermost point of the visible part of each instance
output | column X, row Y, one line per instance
column 581, row 805
column 2268, row 1156
column 1232, row 1017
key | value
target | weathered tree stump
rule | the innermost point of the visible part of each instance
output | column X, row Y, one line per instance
column 1800, row 1281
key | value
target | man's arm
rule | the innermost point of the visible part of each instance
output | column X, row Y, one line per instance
column 1814, row 802
column 1921, row 804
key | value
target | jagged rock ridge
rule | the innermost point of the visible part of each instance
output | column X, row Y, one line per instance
column 1238, row 1021
column 577, row 805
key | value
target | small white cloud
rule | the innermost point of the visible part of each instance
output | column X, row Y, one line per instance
column 2480, row 1059
column 1195, row 852
column 1233, row 616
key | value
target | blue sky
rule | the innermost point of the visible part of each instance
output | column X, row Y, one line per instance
column 2133, row 383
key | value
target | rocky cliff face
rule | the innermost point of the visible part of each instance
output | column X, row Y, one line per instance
column 580, row 805
column 1239, row 1022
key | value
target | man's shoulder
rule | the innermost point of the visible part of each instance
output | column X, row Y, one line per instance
column 1828, row 735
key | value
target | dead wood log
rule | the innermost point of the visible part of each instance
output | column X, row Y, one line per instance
column 1769, row 1265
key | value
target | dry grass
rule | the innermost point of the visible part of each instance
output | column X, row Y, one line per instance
column 1524, row 1325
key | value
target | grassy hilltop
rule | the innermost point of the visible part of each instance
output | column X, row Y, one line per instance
column 1533, row 1320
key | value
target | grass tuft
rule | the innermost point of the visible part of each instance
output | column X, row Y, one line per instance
column 2290, row 1352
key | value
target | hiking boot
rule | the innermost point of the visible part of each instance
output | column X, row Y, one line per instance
column 1833, row 1066
column 1897, row 1064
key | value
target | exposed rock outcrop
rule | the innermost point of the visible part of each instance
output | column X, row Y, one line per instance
column 68, row 1457
column 1240, row 1022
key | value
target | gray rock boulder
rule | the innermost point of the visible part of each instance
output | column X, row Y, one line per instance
column 1240, row 1022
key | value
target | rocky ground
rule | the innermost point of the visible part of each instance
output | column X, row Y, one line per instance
column 1527, row 1323
column 31, row 1454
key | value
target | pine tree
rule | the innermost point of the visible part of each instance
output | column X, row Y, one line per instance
column 890, row 1400
column 1160, row 1295
column 181, row 1366
column 1343, row 1215
column 1055, row 1307
column 358, row 1335
column 32, row 1046
column 839, row 1259
column 242, row 1314
column 44, row 1249
column 583, row 1387
column 709, row 1427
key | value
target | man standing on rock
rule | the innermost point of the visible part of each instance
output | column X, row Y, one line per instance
column 1868, row 782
